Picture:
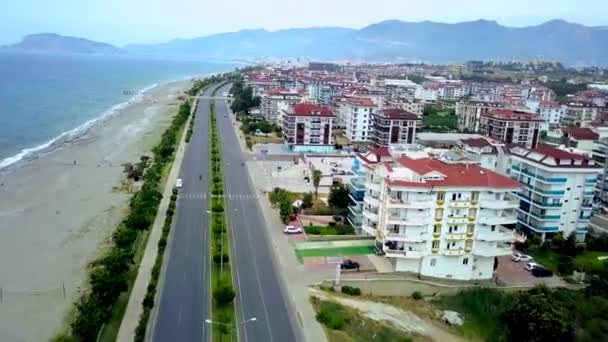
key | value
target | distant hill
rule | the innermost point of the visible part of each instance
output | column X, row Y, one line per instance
column 392, row 40
column 399, row 40
column 54, row 43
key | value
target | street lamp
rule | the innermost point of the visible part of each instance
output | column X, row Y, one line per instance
column 252, row 319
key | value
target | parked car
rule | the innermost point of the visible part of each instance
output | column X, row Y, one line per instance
column 349, row 265
column 292, row 230
column 541, row 272
column 531, row 265
column 517, row 257
column 179, row 183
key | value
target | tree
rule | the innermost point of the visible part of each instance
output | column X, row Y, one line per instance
column 90, row 315
column 316, row 179
column 118, row 261
column 338, row 196
column 536, row 316
column 285, row 210
column 107, row 286
column 307, row 200
column 223, row 293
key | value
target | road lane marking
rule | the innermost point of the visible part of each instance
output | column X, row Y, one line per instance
column 179, row 315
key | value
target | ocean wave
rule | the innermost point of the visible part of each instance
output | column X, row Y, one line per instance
column 75, row 133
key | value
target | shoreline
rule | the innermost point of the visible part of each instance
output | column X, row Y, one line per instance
column 57, row 216
column 12, row 162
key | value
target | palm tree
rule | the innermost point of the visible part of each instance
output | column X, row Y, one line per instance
column 316, row 179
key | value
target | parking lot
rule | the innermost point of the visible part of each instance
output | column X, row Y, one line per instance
column 510, row 273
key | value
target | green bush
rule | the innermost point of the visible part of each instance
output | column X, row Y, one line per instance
column 332, row 316
column 217, row 208
column 416, row 295
column 223, row 293
column 217, row 258
column 351, row 290
column 173, row 197
column 170, row 211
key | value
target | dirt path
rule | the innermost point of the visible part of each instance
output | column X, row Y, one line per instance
column 404, row 320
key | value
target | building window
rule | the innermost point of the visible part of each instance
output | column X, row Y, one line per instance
column 465, row 261
column 433, row 262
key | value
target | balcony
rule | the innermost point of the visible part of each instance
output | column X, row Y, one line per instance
column 392, row 253
column 458, row 219
column 457, row 236
column 459, row 204
column 498, row 235
column 374, row 202
column 374, row 186
column 408, row 220
column 370, row 215
column 369, row 230
column 454, row 252
column 408, row 237
column 489, row 251
column 355, row 209
column 497, row 219
column 357, row 185
column 400, row 203
column 500, row 204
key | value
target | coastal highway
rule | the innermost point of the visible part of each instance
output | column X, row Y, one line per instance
column 185, row 299
column 258, row 291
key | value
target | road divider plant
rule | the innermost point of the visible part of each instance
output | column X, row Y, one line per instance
column 223, row 310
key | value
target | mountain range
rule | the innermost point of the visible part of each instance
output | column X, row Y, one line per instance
column 391, row 40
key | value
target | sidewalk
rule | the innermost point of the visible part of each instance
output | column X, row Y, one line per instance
column 292, row 273
column 134, row 308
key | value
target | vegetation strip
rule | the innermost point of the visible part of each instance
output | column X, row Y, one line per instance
column 223, row 310
column 115, row 272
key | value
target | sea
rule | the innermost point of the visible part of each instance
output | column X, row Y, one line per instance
column 46, row 99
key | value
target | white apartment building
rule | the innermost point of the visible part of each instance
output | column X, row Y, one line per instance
column 355, row 116
column 549, row 111
column 469, row 112
column 579, row 112
column 275, row 101
column 439, row 219
column 307, row 128
column 558, row 190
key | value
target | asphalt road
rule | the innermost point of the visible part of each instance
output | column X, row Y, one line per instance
column 184, row 302
column 258, row 290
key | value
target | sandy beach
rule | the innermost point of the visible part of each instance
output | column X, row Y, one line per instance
column 57, row 216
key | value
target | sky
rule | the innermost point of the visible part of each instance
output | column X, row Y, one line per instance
column 120, row 22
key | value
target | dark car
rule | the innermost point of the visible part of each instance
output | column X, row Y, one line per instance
column 541, row 272
column 349, row 265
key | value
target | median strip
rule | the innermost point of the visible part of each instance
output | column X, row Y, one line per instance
column 223, row 311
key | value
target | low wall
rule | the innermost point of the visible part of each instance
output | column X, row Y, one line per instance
column 312, row 237
column 405, row 287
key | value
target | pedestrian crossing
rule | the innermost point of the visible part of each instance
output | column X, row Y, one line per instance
column 204, row 196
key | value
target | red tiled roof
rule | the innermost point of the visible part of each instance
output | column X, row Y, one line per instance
column 558, row 157
column 455, row 175
column 557, row 153
column 377, row 154
column 360, row 101
column 581, row 133
column 550, row 104
column 310, row 109
column 397, row 114
column 511, row 114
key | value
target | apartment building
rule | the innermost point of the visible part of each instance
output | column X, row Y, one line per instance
column 558, row 190
column 469, row 112
column 391, row 126
column 363, row 163
column 511, row 126
column 600, row 153
column 412, row 106
column 356, row 115
column 308, row 127
column 438, row 219
column 579, row 112
column 275, row 101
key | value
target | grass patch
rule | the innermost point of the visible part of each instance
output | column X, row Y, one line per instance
column 330, row 230
column 343, row 324
column 586, row 261
column 337, row 251
column 481, row 309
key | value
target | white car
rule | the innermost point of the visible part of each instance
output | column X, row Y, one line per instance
column 531, row 265
column 292, row 230
column 179, row 183
column 517, row 257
